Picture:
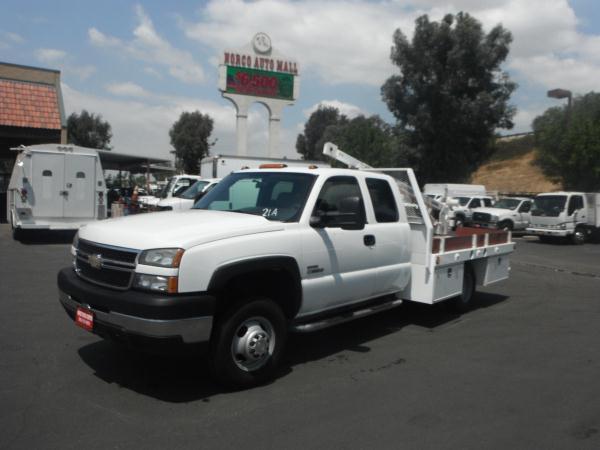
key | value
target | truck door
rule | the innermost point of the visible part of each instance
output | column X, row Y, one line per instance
column 80, row 179
column 339, row 266
column 576, row 212
column 47, row 181
column 391, row 243
column 524, row 214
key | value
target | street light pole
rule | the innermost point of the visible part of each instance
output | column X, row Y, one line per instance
column 562, row 93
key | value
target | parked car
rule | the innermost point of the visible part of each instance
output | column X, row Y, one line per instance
column 187, row 199
column 463, row 210
column 511, row 214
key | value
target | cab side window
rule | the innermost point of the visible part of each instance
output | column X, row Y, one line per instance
column 525, row 207
column 575, row 203
column 487, row 202
column 475, row 203
column 383, row 200
column 336, row 191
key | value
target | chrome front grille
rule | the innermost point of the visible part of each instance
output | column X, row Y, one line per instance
column 481, row 217
column 105, row 265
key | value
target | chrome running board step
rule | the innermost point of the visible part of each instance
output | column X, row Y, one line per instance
column 345, row 317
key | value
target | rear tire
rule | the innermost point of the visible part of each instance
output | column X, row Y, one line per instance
column 462, row 303
column 247, row 343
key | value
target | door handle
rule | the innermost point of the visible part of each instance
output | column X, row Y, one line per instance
column 369, row 240
column 69, row 185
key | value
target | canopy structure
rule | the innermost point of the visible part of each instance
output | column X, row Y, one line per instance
column 133, row 163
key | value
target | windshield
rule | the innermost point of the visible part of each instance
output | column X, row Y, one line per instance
column 191, row 192
column 275, row 196
column 165, row 192
column 507, row 203
column 462, row 201
column 548, row 205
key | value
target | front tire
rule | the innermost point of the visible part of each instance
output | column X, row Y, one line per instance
column 247, row 343
column 578, row 238
column 505, row 225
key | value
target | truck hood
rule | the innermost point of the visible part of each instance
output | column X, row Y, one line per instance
column 176, row 203
column 495, row 211
column 182, row 229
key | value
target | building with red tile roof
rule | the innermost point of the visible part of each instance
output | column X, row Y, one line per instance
column 31, row 112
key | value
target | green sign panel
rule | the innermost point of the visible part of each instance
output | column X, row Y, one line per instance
column 260, row 83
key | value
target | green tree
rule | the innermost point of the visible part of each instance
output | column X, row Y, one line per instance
column 451, row 94
column 310, row 143
column 568, row 143
column 189, row 137
column 88, row 130
column 372, row 141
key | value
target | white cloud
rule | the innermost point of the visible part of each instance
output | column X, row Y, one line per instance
column 147, row 45
column 349, row 110
column 153, row 72
column 141, row 126
column 342, row 41
column 62, row 61
column 127, row 89
column 50, row 55
column 14, row 37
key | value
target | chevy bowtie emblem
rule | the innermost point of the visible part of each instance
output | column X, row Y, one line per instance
column 95, row 261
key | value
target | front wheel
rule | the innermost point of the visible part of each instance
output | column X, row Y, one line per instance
column 578, row 238
column 247, row 343
column 505, row 225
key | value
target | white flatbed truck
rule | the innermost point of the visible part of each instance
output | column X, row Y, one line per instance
column 269, row 251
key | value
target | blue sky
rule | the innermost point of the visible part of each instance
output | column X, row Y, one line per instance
column 140, row 64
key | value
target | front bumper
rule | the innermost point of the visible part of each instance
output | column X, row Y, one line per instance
column 490, row 225
column 184, row 318
column 547, row 232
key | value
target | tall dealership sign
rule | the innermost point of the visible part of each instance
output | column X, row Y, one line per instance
column 257, row 73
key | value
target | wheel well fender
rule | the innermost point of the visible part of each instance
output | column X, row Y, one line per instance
column 277, row 277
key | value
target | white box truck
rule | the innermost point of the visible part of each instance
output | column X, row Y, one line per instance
column 573, row 215
column 55, row 187
column 219, row 166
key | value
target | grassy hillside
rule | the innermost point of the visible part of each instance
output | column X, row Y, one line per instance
column 512, row 169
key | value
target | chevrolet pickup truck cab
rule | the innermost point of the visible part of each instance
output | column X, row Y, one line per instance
column 187, row 199
column 511, row 213
column 572, row 215
column 269, row 251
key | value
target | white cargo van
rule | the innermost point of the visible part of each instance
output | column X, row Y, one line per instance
column 55, row 187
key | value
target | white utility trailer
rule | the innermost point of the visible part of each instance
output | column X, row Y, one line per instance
column 219, row 166
column 55, row 187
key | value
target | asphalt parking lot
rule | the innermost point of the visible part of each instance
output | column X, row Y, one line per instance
column 520, row 371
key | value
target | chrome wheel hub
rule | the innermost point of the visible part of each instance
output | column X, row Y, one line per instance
column 253, row 343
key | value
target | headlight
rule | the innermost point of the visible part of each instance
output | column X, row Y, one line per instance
column 494, row 218
column 563, row 226
column 161, row 257
column 75, row 244
column 156, row 283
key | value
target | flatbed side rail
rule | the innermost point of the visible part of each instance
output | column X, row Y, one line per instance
column 469, row 238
